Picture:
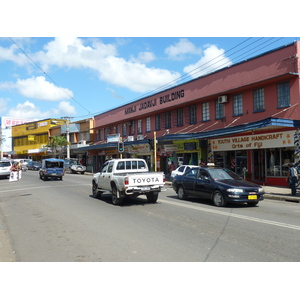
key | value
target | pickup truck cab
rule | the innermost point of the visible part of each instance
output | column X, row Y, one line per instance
column 129, row 176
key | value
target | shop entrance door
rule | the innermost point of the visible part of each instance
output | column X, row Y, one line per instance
column 259, row 165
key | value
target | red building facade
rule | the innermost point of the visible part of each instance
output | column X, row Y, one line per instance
column 245, row 117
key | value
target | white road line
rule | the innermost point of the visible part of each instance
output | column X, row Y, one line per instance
column 213, row 211
column 39, row 187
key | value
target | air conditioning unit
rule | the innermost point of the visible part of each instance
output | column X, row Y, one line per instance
column 140, row 137
column 222, row 99
column 130, row 138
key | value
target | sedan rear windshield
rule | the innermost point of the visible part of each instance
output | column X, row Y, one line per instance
column 54, row 164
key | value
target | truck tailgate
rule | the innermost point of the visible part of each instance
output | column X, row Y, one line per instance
column 145, row 179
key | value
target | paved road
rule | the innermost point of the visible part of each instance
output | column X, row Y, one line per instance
column 60, row 221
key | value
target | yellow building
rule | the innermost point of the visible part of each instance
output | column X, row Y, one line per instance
column 29, row 140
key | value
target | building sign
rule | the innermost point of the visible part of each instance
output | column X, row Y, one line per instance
column 170, row 148
column 71, row 128
column 113, row 138
column 190, row 146
column 254, row 141
column 139, row 148
column 154, row 102
column 7, row 122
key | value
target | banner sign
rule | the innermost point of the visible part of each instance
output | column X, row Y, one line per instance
column 254, row 141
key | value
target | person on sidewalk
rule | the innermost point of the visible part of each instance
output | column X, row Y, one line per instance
column 292, row 178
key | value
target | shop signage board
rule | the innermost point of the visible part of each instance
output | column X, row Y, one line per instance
column 254, row 141
column 139, row 148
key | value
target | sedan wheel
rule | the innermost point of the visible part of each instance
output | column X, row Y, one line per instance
column 181, row 193
column 218, row 199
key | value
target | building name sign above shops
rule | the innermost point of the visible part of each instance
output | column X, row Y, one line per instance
column 154, row 102
column 254, row 141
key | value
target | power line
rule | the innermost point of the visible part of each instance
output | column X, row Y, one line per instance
column 72, row 98
column 208, row 64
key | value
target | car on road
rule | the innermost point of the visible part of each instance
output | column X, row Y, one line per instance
column 220, row 185
column 52, row 168
column 5, row 166
column 181, row 170
column 34, row 165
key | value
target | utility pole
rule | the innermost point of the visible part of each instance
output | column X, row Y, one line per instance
column 68, row 134
column 154, row 142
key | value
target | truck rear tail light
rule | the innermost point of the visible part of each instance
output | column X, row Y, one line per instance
column 126, row 181
column 164, row 178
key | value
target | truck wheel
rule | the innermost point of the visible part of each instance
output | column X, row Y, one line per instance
column 152, row 197
column 96, row 193
column 114, row 196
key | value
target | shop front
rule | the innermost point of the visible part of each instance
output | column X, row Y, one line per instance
column 181, row 152
column 261, row 157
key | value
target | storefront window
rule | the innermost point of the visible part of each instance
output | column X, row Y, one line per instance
column 278, row 160
column 233, row 160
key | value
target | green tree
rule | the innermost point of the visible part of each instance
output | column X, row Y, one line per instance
column 56, row 143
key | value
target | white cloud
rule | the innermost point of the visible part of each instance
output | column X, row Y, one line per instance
column 65, row 108
column 134, row 76
column 9, row 54
column 179, row 50
column 213, row 59
column 28, row 110
column 103, row 59
column 143, row 57
column 40, row 89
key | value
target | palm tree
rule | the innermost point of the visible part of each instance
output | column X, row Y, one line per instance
column 56, row 143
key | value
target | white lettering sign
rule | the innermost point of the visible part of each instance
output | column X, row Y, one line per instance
column 254, row 141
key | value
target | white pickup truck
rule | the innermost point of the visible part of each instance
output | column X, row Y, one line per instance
column 128, row 176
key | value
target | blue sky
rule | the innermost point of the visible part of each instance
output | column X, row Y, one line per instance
column 81, row 77
column 123, row 55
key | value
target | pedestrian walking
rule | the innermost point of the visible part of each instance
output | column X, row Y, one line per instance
column 19, row 167
column 292, row 178
column 171, row 167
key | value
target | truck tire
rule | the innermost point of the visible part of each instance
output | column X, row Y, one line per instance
column 114, row 196
column 152, row 197
column 96, row 193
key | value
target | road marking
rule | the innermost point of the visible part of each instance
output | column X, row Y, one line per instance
column 40, row 187
column 290, row 226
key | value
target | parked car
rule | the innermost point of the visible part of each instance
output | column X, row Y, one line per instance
column 5, row 166
column 34, row 165
column 220, row 185
column 181, row 170
column 73, row 166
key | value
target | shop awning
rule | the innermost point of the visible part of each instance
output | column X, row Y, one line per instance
column 266, row 123
column 112, row 145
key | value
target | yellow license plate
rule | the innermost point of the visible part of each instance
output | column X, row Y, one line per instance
column 252, row 197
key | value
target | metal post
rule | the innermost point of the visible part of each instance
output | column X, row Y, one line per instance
column 154, row 142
